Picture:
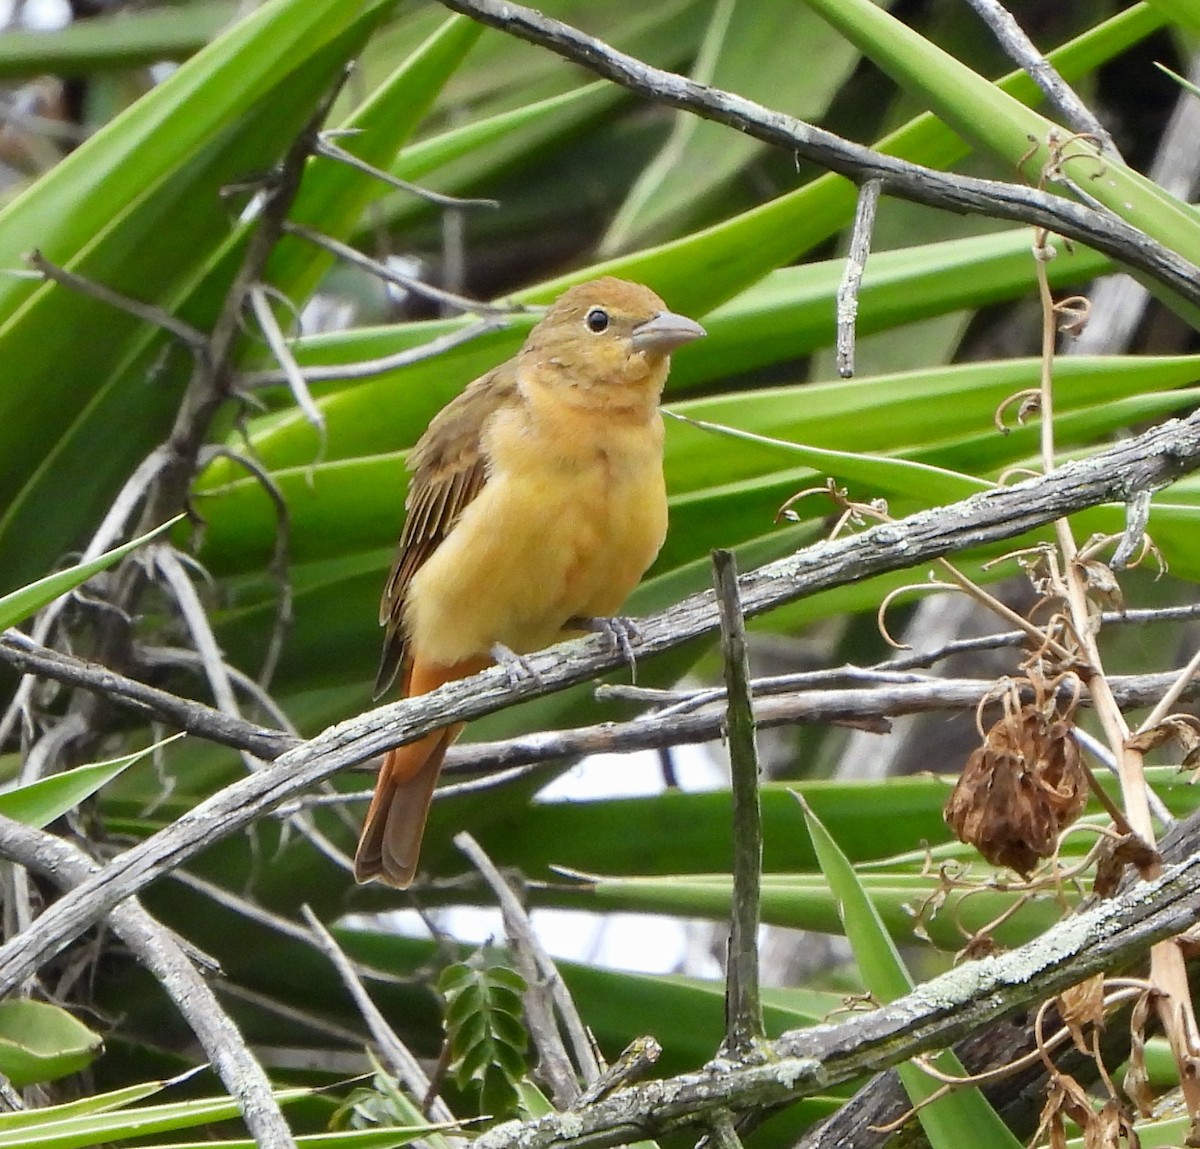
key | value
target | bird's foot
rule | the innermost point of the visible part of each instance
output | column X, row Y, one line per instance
column 622, row 632
column 516, row 666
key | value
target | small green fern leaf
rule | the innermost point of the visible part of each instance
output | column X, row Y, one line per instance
column 483, row 1023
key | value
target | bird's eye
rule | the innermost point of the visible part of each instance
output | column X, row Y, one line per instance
column 596, row 320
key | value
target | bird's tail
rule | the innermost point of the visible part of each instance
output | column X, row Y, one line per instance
column 390, row 844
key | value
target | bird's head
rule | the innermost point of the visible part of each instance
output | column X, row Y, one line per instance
column 606, row 336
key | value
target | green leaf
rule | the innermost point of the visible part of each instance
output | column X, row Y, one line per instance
column 962, row 1117
column 484, row 1030
column 123, row 40
column 743, row 52
column 41, row 1042
column 20, row 604
column 40, row 802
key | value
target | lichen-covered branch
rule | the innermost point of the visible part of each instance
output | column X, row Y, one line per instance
column 1146, row 461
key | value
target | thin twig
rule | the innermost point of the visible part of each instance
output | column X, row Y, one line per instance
column 1137, row 617
column 279, row 566
column 634, row 1063
column 389, row 274
column 155, row 946
column 856, row 264
column 545, row 973
column 191, row 337
column 395, row 1053
column 367, row 368
column 289, row 1012
column 153, row 657
column 326, row 147
column 1101, row 230
column 1167, row 703
column 1022, row 51
column 743, row 1007
column 1103, row 755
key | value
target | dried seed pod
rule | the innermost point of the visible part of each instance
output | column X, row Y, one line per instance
column 1019, row 790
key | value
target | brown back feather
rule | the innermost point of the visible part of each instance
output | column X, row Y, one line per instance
column 448, row 471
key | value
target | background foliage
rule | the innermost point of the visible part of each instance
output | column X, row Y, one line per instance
column 150, row 199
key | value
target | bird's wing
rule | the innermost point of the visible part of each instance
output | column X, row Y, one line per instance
column 448, row 471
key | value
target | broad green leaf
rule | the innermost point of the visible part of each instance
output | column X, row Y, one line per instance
column 919, row 480
column 903, row 900
column 744, row 52
column 1183, row 12
column 41, row 1042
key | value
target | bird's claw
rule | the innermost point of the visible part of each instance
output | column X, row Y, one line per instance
column 622, row 632
column 516, row 666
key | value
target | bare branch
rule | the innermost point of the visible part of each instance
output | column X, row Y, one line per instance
column 32, row 658
column 157, row 949
column 1149, row 460
column 856, row 264
column 743, row 1006
column 1023, row 52
column 395, row 1053
column 1101, row 230
column 804, row 704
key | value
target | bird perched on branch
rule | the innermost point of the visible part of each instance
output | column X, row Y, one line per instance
column 536, row 504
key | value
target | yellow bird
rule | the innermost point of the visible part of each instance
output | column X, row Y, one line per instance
column 536, row 504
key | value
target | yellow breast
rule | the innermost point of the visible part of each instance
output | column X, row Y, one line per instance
column 572, row 514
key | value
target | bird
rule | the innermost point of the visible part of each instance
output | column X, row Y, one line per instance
column 536, row 503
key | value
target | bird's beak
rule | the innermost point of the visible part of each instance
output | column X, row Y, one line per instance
column 665, row 332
